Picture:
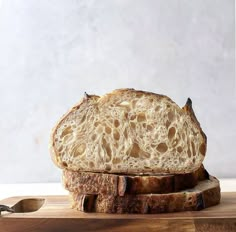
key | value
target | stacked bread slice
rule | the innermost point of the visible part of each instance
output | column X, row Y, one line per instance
column 133, row 152
column 112, row 193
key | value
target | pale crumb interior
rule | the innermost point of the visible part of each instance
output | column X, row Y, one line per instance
column 129, row 132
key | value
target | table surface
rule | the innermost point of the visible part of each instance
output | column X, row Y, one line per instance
column 34, row 189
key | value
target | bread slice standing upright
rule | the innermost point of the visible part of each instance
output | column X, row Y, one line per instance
column 131, row 132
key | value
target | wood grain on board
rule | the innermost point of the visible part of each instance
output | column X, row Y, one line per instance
column 55, row 214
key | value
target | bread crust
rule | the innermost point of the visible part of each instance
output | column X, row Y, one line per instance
column 119, row 185
column 205, row 194
column 189, row 109
column 134, row 155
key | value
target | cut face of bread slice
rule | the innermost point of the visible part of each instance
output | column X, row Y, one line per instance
column 205, row 194
column 113, row 184
column 131, row 132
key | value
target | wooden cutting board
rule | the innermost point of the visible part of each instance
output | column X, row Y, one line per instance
column 53, row 213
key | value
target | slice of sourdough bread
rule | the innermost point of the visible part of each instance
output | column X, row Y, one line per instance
column 205, row 194
column 131, row 132
column 114, row 184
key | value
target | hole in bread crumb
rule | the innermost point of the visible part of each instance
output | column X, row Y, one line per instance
column 107, row 148
column 149, row 128
column 179, row 149
column 116, row 145
column 157, row 108
column 116, row 123
column 108, row 167
column 94, row 136
column 133, row 117
column 189, row 153
column 171, row 115
column 108, row 130
column 135, row 151
column 171, row 133
column 141, row 117
column 66, row 131
column 126, row 115
column 83, row 119
column 116, row 160
column 60, row 148
column 168, row 123
column 64, row 164
column 202, row 149
column 193, row 149
column 162, row 147
column 91, row 164
column 132, row 124
column 125, row 133
column 116, row 135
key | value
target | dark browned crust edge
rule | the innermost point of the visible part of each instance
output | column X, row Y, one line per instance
column 96, row 183
column 188, row 108
column 148, row 204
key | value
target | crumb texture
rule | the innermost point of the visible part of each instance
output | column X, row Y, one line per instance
column 128, row 131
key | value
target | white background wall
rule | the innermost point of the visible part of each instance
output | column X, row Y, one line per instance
column 51, row 51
